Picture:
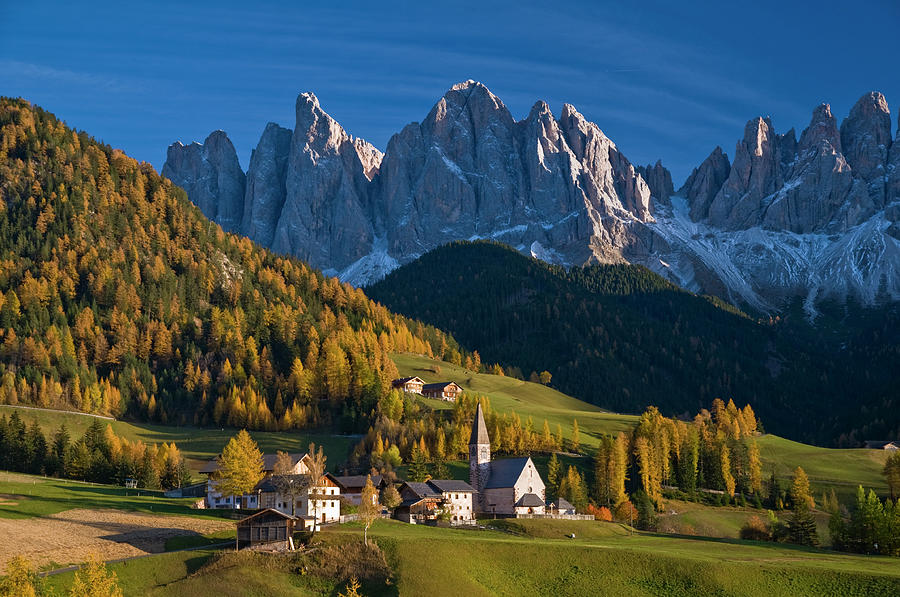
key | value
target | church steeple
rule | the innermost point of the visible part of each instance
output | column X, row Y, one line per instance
column 479, row 455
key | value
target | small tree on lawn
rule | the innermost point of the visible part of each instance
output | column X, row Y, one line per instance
column 352, row 588
column 369, row 508
column 240, row 466
column 94, row 580
column 316, row 465
column 390, row 497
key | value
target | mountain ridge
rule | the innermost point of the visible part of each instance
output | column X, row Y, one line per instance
column 789, row 218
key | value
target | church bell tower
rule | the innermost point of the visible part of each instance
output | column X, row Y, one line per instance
column 479, row 457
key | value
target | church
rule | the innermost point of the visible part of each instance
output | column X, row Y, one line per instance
column 507, row 487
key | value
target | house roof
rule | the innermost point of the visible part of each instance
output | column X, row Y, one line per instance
column 268, row 463
column 403, row 380
column 267, row 512
column 423, row 490
column 440, row 385
column 270, row 484
column 880, row 445
column 562, row 504
column 446, row 485
column 479, row 429
column 530, row 500
column 348, row 482
column 505, row 473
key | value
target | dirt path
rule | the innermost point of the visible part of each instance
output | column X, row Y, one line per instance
column 69, row 537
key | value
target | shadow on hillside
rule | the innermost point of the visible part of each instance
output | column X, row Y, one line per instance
column 747, row 542
column 145, row 501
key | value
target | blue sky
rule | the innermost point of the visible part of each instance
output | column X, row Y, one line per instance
column 663, row 79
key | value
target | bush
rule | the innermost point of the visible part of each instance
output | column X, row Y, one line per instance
column 601, row 513
column 755, row 530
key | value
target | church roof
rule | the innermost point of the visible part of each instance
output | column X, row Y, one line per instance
column 479, row 429
column 505, row 473
column 530, row 500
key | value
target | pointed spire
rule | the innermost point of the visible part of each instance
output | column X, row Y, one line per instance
column 479, row 429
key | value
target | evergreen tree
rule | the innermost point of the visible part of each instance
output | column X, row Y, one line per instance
column 418, row 467
column 553, row 477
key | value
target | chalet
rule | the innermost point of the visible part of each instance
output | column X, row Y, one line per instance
column 267, row 527
column 445, row 390
column 214, row 499
column 272, row 493
column 421, row 503
column 507, row 487
column 352, row 486
column 269, row 494
column 457, row 498
column 883, row 445
column 560, row 506
column 410, row 385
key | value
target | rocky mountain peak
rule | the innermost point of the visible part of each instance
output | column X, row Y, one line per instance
column 659, row 179
column 822, row 130
column 211, row 174
column 701, row 186
column 866, row 142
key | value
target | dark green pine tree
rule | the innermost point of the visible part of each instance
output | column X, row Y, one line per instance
column 418, row 468
column 802, row 527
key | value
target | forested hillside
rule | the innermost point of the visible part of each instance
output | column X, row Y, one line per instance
column 622, row 337
column 118, row 297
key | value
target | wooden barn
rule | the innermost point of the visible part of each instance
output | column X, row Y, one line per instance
column 266, row 527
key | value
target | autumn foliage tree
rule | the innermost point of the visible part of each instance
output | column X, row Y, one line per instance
column 240, row 466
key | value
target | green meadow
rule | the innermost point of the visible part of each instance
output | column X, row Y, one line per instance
column 198, row 445
column 518, row 558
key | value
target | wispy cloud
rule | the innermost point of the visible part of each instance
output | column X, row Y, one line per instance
column 11, row 70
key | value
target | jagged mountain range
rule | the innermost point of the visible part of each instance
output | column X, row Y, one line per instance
column 809, row 218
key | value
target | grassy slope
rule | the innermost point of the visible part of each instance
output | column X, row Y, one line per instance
column 198, row 444
column 535, row 558
column 827, row 468
column 526, row 398
column 30, row 496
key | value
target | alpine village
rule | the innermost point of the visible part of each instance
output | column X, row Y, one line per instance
column 478, row 353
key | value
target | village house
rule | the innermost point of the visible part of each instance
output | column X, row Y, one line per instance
column 428, row 502
column 560, row 506
column 325, row 508
column 267, row 494
column 448, row 391
column 410, row 385
column 883, row 445
column 352, row 486
column 457, row 499
column 420, row 503
column 507, row 487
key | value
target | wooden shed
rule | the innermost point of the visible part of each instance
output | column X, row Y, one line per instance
column 267, row 526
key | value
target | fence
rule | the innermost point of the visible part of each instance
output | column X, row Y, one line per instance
column 558, row 516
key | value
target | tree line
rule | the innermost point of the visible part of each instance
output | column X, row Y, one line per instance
column 99, row 456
